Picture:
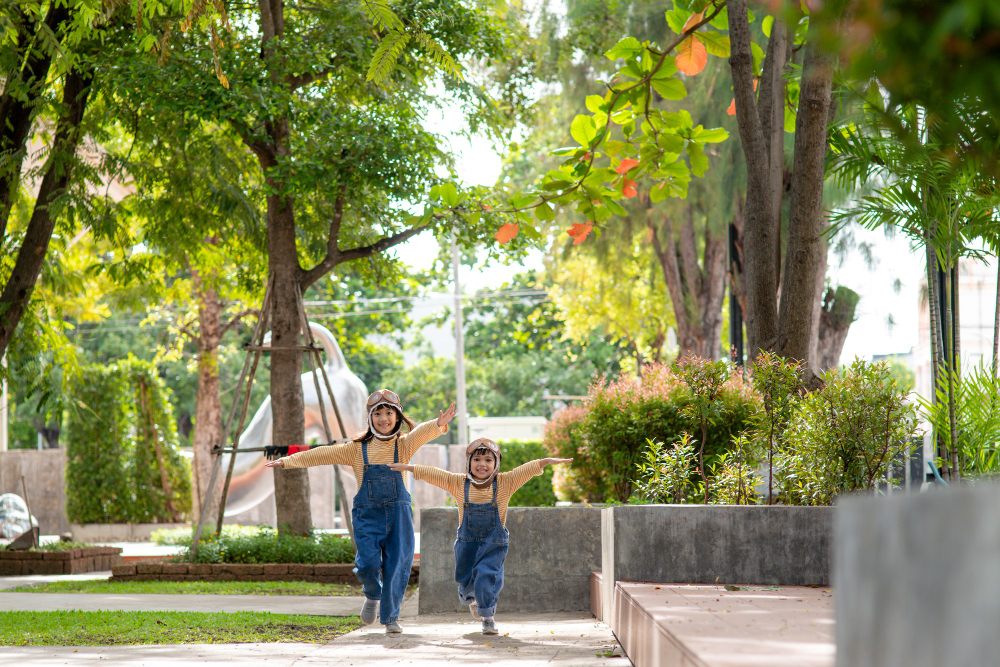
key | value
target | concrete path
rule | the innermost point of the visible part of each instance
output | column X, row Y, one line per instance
column 537, row 640
column 318, row 605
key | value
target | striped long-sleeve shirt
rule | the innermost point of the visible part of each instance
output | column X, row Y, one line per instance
column 379, row 451
column 454, row 483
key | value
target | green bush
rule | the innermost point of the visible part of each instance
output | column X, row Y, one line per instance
column 267, row 546
column 182, row 535
column 538, row 491
column 584, row 479
column 622, row 415
column 844, row 436
column 122, row 458
column 668, row 474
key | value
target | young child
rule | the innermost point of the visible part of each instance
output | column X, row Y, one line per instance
column 482, row 495
column 381, row 514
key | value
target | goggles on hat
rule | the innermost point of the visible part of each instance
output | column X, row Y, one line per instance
column 382, row 396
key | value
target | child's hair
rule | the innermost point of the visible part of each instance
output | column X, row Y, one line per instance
column 401, row 419
column 484, row 450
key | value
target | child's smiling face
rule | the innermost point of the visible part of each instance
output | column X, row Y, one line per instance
column 384, row 419
column 482, row 465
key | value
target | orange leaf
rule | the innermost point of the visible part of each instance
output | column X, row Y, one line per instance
column 579, row 231
column 628, row 188
column 506, row 233
column 626, row 165
column 732, row 108
column 691, row 56
column 695, row 18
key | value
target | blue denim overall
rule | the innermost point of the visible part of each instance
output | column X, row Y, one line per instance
column 480, row 550
column 383, row 530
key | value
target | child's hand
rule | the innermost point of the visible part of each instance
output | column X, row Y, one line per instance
column 446, row 415
column 277, row 463
column 401, row 467
column 550, row 461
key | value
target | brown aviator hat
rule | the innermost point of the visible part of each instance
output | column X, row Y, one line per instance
column 377, row 400
column 482, row 443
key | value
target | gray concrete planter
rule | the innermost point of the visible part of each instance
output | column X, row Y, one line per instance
column 725, row 544
column 553, row 550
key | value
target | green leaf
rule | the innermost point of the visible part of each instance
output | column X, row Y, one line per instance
column 676, row 18
column 583, row 130
column 616, row 208
column 386, row 56
column 671, row 143
column 626, row 48
column 789, row 120
column 711, row 136
column 449, row 195
column 715, row 43
column 439, row 56
column 381, row 15
column 669, row 89
column 721, row 21
column 699, row 162
column 545, row 213
column 758, row 56
column 658, row 193
column 766, row 24
column 595, row 103
column 556, row 185
column 522, row 200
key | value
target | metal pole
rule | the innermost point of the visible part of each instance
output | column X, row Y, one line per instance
column 463, row 426
column 27, row 504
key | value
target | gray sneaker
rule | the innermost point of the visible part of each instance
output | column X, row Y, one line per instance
column 368, row 611
column 489, row 626
column 393, row 628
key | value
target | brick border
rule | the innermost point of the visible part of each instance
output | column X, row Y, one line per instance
column 69, row 561
column 326, row 573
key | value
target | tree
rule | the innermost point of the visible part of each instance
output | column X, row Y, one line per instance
column 337, row 156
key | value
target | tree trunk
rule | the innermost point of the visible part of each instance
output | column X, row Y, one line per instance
column 208, row 407
column 805, row 222
column 18, row 111
column 761, row 228
column 835, row 318
column 58, row 169
column 696, row 292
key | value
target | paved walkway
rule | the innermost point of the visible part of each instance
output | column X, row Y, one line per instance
column 32, row 579
column 537, row 640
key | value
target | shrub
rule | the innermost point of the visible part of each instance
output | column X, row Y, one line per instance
column 182, row 536
column 122, row 458
column 624, row 414
column 267, row 546
column 584, row 479
column 844, row 436
column 538, row 491
column 668, row 474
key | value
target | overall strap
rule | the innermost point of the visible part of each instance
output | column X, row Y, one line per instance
column 364, row 451
column 467, row 490
column 495, row 481
column 395, row 452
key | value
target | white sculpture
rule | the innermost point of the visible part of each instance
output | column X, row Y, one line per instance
column 252, row 483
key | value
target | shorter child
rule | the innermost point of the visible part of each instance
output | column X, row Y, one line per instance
column 482, row 495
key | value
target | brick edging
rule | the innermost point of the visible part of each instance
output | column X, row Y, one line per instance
column 69, row 561
column 327, row 573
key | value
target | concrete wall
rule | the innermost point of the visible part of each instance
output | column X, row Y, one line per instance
column 43, row 475
column 917, row 579
column 552, row 552
column 714, row 543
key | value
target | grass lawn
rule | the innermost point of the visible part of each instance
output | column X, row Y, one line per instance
column 193, row 587
column 107, row 628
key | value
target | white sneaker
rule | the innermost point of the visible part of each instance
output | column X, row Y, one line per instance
column 489, row 627
column 474, row 610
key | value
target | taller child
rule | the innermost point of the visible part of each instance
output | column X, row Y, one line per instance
column 381, row 513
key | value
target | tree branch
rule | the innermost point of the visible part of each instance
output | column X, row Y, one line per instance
column 383, row 244
column 299, row 80
column 235, row 319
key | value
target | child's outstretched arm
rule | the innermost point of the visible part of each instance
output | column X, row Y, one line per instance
column 425, row 432
column 342, row 454
column 449, row 481
column 519, row 476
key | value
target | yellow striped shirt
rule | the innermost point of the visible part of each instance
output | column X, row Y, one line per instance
column 379, row 451
column 454, row 483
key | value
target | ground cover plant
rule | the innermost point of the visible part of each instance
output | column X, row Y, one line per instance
column 268, row 546
column 101, row 586
column 110, row 628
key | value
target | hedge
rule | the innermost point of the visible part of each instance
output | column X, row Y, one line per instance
column 538, row 491
column 122, row 459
